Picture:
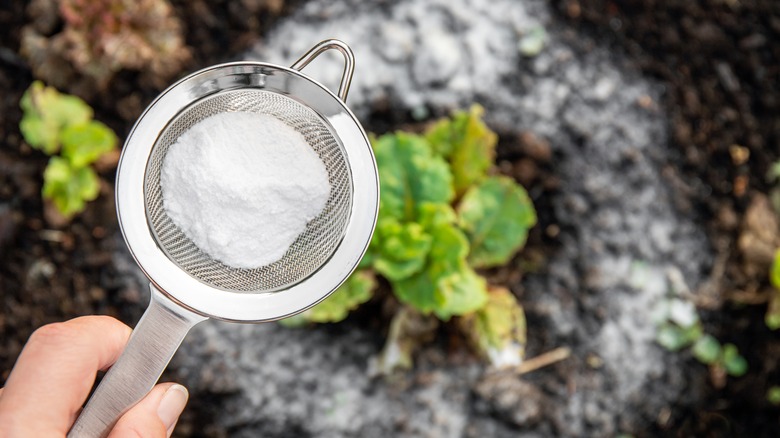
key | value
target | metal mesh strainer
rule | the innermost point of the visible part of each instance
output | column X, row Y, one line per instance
column 187, row 285
column 313, row 246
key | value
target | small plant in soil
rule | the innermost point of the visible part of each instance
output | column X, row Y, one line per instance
column 444, row 213
column 95, row 39
column 773, row 395
column 62, row 127
column 681, row 328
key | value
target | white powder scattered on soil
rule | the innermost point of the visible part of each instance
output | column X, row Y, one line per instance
column 242, row 186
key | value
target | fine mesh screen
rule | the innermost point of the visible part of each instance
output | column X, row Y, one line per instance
column 312, row 248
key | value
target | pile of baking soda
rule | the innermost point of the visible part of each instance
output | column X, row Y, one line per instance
column 243, row 186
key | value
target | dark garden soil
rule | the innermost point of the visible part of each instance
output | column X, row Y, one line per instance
column 720, row 61
column 50, row 272
column 719, row 58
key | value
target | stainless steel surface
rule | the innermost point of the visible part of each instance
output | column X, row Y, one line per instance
column 187, row 286
column 247, row 304
column 349, row 62
column 152, row 344
column 310, row 250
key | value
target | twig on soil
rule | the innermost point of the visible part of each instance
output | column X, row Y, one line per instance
column 543, row 360
column 750, row 297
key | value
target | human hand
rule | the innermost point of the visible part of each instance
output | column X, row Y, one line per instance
column 55, row 372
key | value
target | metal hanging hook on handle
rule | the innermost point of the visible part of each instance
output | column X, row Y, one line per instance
column 349, row 62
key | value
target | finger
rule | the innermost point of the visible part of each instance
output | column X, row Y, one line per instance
column 55, row 372
column 155, row 416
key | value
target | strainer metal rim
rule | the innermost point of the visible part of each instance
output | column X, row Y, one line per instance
column 189, row 291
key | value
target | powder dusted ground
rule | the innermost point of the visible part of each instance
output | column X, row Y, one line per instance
column 620, row 233
column 242, row 186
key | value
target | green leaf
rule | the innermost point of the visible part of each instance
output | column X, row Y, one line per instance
column 435, row 215
column 401, row 249
column 461, row 292
column 467, row 143
column 675, row 338
column 774, row 274
column 446, row 286
column 84, row 143
column 294, row 321
column 368, row 259
column 38, row 135
column 355, row 291
column 498, row 329
column 46, row 113
column 706, row 349
column 448, row 250
column 496, row 216
column 47, row 102
column 734, row 364
column 418, row 291
column 671, row 337
column 69, row 187
column 410, row 175
column 773, row 395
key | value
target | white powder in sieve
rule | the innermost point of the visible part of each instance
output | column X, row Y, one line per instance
column 242, row 186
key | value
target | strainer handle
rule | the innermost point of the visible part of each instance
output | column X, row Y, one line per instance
column 155, row 339
column 349, row 62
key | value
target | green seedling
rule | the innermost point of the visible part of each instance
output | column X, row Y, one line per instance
column 732, row 361
column 61, row 126
column 773, row 395
column 707, row 350
column 681, row 328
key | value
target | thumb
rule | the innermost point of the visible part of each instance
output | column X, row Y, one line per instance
column 155, row 416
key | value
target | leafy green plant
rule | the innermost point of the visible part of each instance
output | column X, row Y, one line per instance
column 680, row 328
column 443, row 214
column 56, row 123
column 98, row 38
column 773, row 395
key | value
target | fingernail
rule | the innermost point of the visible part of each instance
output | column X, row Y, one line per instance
column 171, row 406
